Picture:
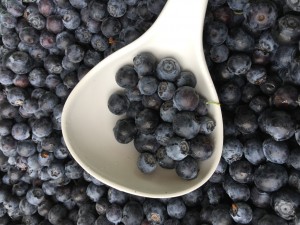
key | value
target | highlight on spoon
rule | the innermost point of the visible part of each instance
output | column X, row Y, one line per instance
column 87, row 124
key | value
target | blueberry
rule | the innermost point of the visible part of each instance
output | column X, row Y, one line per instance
column 19, row 62
column 118, row 103
column 54, row 24
column 42, row 127
column 270, row 177
column 241, row 212
column 125, row 130
column 294, row 179
column 79, row 193
column 239, row 63
column 146, row 162
column 37, row 21
column 144, row 63
column 110, row 27
column 237, row 5
column 186, row 78
column 269, row 219
column 10, row 41
column 97, row 10
column 83, row 35
column 249, row 91
column 52, row 64
column 63, row 40
column 7, row 111
column 143, row 11
column 35, row 196
column 277, row 123
column 177, row 148
column 267, row 42
column 52, row 81
column 46, row 7
column 114, row 213
column 284, row 55
column 287, row 30
column 48, row 101
column 101, row 206
column 15, row 8
column 256, row 75
column 168, row 69
column 241, row 171
column 187, row 168
column 116, row 8
column 146, row 143
column 293, row 159
column 26, row 208
column 216, row 33
column 235, row 190
column 129, row 34
column 75, row 53
column 176, row 208
column 245, row 120
column 155, row 211
column 102, row 220
column 201, row 147
column 163, row 159
column 132, row 213
column 116, row 196
column 147, row 121
column 219, row 53
column 57, row 213
column 294, row 5
column 73, row 170
column 71, row 19
column 193, row 198
column 5, row 127
column 163, row 133
column 276, row 152
column 260, row 198
column 135, row 107
column 152, row 101
column 271, row 84
column 253, row 151
column 230, row 93
column 99, row 42
column 6, row 76
column 16, row 96
column 166, row 90
column 47, row 39
column 92, row 58
column 221, row 215
column 232, row 150
column 285, row 203
column 186, row 98
column 191, row 217
column 285, row 97
column 148, row 85
column 126, row 77
column 95, row 192
column 187, row 124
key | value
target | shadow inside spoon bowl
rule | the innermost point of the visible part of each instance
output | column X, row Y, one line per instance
column 87, row 124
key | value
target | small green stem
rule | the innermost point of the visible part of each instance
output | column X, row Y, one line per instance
column 212, row 102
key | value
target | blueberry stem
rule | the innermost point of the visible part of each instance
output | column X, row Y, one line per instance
column 212, row 102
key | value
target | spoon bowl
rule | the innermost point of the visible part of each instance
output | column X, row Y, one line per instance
column 87, row 124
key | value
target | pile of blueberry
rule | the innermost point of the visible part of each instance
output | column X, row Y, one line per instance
column 166, row 117
column 252, row 51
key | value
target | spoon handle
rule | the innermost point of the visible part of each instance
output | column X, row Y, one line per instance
column 180, row 24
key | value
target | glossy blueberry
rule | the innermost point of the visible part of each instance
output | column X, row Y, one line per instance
column 125, row 130
column 285, row 97
column 249, row 91
column 241, row 171
column 129, row 34
column 163, row 159
column 147, row 121
column 216, row 33
column 148, row 85
column 95, row 192
column 241, row 212
column 177, row 148
column 146, row 162
column 118, row 103
column 260, row 15
column 287, row 30
column 253, row 151
column 146, row 143
column 186, row 78
column 126, row 77
column 132, row 213
column 267, row 42
column 270, row 177
column 144, row 63
column 166, row 90
column 239, row 40
column 277, row 123
column 257, row 75
column 97, row 10
column 235, row 190
column 219, row 53
column 92, row 57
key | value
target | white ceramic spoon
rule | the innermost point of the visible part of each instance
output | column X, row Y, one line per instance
column 87, row 123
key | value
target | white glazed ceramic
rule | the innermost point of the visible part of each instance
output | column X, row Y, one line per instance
column 87, row 123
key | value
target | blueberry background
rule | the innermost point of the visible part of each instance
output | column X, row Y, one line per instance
column 252, row 51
